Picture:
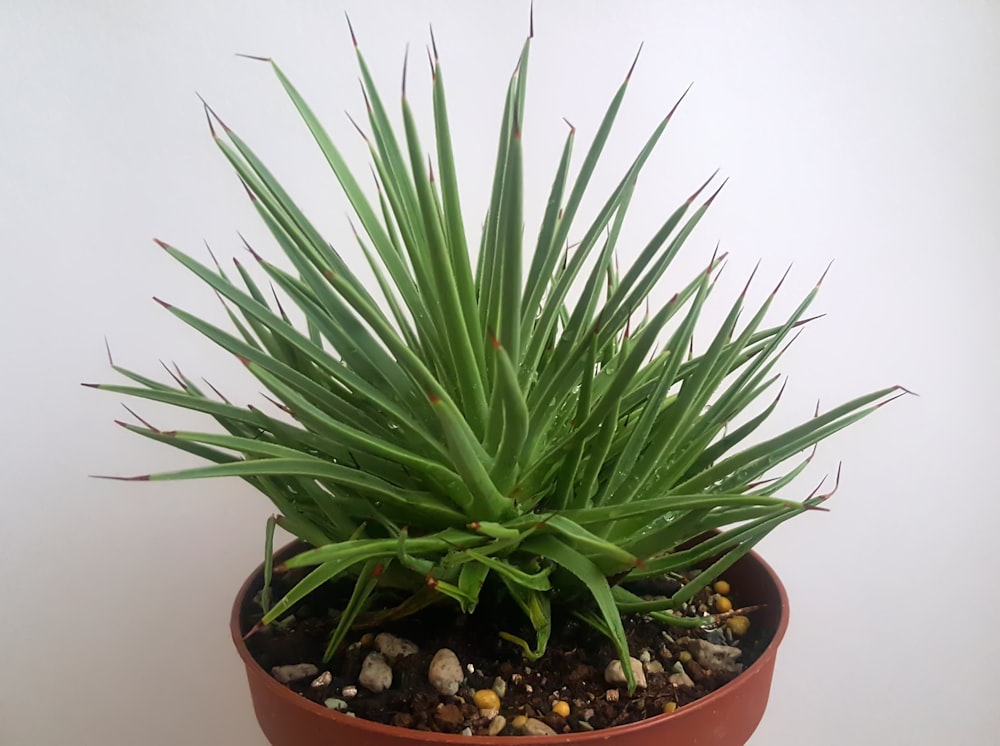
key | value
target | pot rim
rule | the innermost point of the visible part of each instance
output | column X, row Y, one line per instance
column 709, row 701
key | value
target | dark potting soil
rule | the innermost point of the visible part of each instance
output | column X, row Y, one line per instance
column 572, row 669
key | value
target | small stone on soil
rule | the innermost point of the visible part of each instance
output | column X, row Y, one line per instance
column 611, row 695
column 393, row 647
column 349, row 691
column 721, row 658
column 498, row 724
column 335, row 704
column 294, row 672
column 615, row 674
column 466, row 731
column 500, row 687
column 448, row 716
column 654, row 667
column 445, row 672
column 535, row 727
column 487, row 699
column 322, row 680
column 376, row 674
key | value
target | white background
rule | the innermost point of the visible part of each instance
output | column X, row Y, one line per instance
column 862, row 132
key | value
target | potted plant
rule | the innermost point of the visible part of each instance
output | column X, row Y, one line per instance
column 505, row 453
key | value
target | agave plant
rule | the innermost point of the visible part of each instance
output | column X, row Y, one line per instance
column 468, row 425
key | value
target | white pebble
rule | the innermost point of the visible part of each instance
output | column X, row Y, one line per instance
column 535, row 727
column 470, row 668
column 376, row 674
column 645, row 656
column 611, row 695
column 654, row 667
column 287, row 674
column 445, row 672
column 323, row 679
column 498, row 724
column 615, row 674
column 393, row 647
column 500, row 687
column 466, row 731
column 349, row 692
column 721, row 658
column 335, row 704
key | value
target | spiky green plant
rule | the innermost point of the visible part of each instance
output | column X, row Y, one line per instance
column 471, row 427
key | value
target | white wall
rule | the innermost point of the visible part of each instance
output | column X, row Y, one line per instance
column 863, row 132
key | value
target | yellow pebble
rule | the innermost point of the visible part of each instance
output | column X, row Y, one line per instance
column 738, row 625
column 561, row 708
column 721, row 586
column 723, row 604
column 519, row 722
column 670, row 707
column 487, row 699
column 684, row 656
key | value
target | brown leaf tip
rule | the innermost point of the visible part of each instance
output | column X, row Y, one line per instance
column 350, row 27
column 628, row 75
column 715, row 194
column 434, row 398
column 434, row 45
column 162, row 302
column 700, row 189
column 254, row 57
column 670, row 113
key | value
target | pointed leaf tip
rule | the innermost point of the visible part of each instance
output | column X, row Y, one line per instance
column 255, row 629
column 673, row 109
column 781, row 281
column 357, row 127
column 210, row 112
column 531, row 20
column 750, row 280
column 434, row 45
column 572, row 129
column 406, row 63
column 161, row 244
column 715, row 194
column 825, row 271
column 254, row 57
column 628, row 75
column 248, row 247
column 91, row 385
column 107, row 347
column 350, row 27
column 700, row 189
column 162, row 302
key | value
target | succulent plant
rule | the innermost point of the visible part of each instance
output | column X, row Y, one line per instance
column 470, row 425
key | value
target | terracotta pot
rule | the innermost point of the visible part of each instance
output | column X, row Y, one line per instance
column 727, row 716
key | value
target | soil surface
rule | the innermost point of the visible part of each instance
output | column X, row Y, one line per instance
column 571, row 671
